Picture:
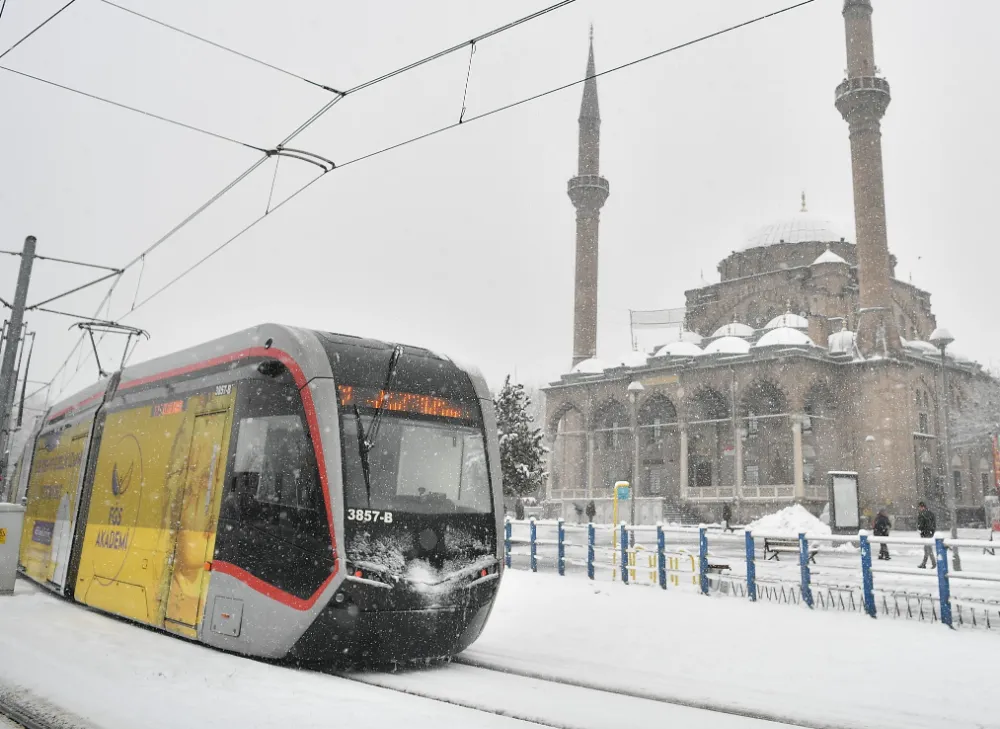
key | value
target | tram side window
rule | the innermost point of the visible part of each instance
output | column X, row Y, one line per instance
column 276, row 485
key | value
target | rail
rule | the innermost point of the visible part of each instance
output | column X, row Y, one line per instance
column 857, row 585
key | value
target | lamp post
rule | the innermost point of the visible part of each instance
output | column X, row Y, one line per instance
column 634, row 388
column 941, row 338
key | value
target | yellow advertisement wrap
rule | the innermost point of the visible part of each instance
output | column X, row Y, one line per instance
column 53, row 493
column 154, row 510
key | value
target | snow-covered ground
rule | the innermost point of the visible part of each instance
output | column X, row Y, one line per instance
column 818, row 669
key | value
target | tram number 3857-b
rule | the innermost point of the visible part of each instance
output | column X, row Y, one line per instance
column 369, row 515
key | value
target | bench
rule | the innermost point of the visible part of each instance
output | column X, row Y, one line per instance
column 786, row 546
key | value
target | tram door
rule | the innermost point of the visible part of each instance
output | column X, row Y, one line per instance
column 205, row 470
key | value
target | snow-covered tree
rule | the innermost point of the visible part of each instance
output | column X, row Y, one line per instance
column 522, row 453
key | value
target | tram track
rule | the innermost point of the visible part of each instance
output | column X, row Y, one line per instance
column 21, row 709
column 553, row 702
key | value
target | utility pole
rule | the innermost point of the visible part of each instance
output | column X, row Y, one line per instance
column 8, row 381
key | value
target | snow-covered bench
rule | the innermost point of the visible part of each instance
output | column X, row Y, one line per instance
column 786, row 546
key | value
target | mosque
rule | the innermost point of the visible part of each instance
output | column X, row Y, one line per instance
column 808, row 357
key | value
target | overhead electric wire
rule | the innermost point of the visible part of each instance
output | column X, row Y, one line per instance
column 220, row 46
column 326, row 107
column 383, row 150
column 134, row 109
column 483, row 115
column 557, row 89
column 37, row 28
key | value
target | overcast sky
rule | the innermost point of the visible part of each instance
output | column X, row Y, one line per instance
column 464, row 242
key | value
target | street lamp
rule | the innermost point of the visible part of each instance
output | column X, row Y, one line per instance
column 634, row 388
column 941, row 338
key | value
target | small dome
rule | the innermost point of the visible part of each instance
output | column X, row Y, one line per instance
column 592, row 366
column 784, row 336
column 801, row 228
column 734, row 329
column 679, row 349
column 728, row 345
column 841, row 342
column 788, row 319
column 829, row 256
column 632, row 359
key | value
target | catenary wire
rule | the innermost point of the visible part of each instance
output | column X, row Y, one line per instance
column 37, row 28
column 134, row 109
column 483, row 115
column 302, row 127
column 418, row 137
column 220, row 46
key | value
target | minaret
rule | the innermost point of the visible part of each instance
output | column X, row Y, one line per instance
column 862, row 99
column 588, row 191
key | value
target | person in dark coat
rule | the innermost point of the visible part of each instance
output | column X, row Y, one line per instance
column 591, row 511
column 727, row 516
column 926, row 525
column 519, row 510
column 881, row 529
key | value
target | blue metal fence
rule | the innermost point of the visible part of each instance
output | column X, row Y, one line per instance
column 624, row 551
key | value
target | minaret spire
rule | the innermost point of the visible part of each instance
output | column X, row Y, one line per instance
column 862, row 99
column 588, row 191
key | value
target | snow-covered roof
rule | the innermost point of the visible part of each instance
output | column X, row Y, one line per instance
column 801, row 228
column 592, row 366
column 841, row 342
column 632, row 359
column 788, row 319
column 734, row 329
column 919, row 345
column 692, row 337
column 679, row 349
column 728, row 345
column 785, row 336
column 829, row 256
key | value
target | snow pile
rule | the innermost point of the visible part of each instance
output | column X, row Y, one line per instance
column 384, row 553
column 791, row 520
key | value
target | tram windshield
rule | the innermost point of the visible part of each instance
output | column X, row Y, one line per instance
column 415, row 465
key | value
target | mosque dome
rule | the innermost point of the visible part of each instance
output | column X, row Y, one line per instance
column 734, row 329
column 592, row 366
column 801, row 228
column 841, row 342
column 728, row 345
column 788, row 319
column 679, row 349
column 784, row 336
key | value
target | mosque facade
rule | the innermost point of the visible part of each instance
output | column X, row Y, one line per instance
column 808, row 357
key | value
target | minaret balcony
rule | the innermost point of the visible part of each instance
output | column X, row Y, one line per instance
column 589, row 191
column 865, row 94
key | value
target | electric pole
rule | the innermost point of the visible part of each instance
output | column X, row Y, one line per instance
column 8, row 381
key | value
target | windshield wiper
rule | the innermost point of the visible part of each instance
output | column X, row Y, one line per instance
column 363, row 451
column 390, row 375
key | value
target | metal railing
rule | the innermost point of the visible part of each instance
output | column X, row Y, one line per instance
column 855, row 586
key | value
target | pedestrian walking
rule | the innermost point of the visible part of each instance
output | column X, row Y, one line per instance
column 926, row 525
column 881, row 529
column 727, row 516
column 591, row 511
